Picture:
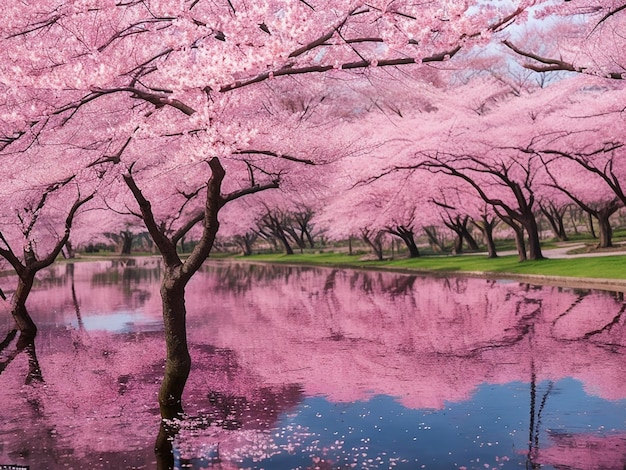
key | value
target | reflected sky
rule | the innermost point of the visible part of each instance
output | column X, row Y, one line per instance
column 319, row 368
column 488, row 431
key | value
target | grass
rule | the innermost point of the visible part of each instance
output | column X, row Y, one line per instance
column 604, row 267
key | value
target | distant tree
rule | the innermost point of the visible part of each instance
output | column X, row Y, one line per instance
column 374, row 239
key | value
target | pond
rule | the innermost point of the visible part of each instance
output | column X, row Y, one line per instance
column 312, row 368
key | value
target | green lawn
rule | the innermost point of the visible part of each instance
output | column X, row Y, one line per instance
column 608, row 267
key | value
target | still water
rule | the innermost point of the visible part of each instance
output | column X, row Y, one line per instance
column 310, row 368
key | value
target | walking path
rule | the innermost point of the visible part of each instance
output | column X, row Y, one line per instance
column 564, row 251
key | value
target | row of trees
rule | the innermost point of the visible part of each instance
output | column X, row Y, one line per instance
column 170, row 113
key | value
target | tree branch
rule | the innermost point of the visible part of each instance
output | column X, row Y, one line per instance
column 157, row 99
column 251, row 190
column 288, row 70
column 213, row 204
column 553, row 65
column 52, row 256
column 274, row 154
column 166, row 247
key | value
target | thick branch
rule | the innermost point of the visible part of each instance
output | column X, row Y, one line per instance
column 251, row 190
column 212, row 206
column 8, row 254
column 52, row 256
column 165, row 246
column 347, row 66
column 274, row 154
column 554, row 65
column 551, row 64
column 157, row 99
column 182, row 231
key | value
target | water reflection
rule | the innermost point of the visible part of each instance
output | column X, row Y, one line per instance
column 318, row 368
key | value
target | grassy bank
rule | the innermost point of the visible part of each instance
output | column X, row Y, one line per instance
column 600, row 267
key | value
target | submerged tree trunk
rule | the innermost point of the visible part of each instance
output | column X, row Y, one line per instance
column 175, row 277
column 31, row 265
column 178, row 360
column 23, row 320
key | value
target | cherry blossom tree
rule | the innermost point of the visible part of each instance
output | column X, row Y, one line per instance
column 41, row 205
column 582, row 151
column 176, row 91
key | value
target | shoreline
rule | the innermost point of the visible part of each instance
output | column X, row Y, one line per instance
column 587, row 283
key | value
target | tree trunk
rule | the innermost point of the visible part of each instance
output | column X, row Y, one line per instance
column 590, row 225
column 178, row 360
column 409, row 241
column 283, row 239
column 604, row 227
column 520, row 244
column 34, row 370
column 518, row 230
column 491, row 244
column 245, row 243
column 24, row 322
column 458, row 245
column 376, row 243
column 534, row 245
column 435, row 243
column 486, row 227
column 127, row 242
column 406, row 235
column 467, row 236
column 555, row 216
column 68, row 252
column 573, row 215
column 309, row 237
